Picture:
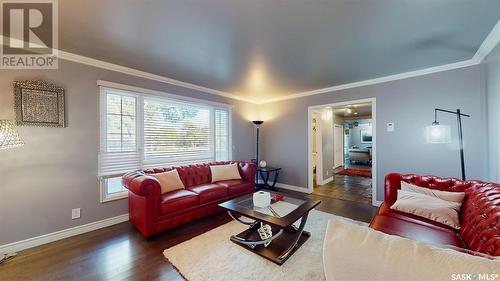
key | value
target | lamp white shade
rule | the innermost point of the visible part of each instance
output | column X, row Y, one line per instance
column 438, row 134
column 9, row 138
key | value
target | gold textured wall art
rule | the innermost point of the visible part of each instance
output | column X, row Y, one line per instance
column 38, row 103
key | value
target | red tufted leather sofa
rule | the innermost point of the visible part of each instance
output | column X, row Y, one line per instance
column 152, row 212
column 479, row 216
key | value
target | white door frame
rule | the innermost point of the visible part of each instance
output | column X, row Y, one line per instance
column 319, row 147
column 310, row 109
column 335, row 125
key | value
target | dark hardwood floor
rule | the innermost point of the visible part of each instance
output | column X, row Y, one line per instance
column 354, row 189
column 119, row 252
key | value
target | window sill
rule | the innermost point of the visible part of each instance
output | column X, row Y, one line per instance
column 114, row 197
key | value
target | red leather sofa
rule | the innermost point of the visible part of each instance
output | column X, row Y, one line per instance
column 152, row 212
column 479, row 215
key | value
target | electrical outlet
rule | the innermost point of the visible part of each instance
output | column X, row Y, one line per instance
column 75, row 213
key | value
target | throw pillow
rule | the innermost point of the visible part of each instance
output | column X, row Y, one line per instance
column 225, row 172
column 169, row 181
column 445, row 195
column 439, row 210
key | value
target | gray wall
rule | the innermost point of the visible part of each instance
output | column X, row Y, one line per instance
column 56, row 170
column 492, row 68
column 409, row 103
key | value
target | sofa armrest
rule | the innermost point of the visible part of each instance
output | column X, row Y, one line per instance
column 141, row 184
column 391, row 186
column 247, row 171
column 143, row 201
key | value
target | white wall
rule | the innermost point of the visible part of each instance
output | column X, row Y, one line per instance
column 492, row 75
column 57, row 168
column 409, row 103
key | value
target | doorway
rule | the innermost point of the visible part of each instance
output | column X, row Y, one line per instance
column 342, row 146
column 316, row 148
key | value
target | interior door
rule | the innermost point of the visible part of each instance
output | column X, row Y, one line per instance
column 314, row 148
column 338, row 146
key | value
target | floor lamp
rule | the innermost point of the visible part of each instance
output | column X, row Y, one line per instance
column 437, row 133
column 257, row 124
column 9, row 138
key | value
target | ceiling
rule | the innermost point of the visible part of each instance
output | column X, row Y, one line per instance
column 264, row 49
column 363, row 109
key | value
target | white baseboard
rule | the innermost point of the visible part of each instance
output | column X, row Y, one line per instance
column 377, row 203
column 289, row 187
column 61, row 234
column 293, row 187
column 330, row 179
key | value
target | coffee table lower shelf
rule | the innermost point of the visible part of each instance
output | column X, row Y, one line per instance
column 277, row 248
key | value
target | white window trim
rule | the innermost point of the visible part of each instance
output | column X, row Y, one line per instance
column 140, row 94
column 154, row 93
column 105, row 197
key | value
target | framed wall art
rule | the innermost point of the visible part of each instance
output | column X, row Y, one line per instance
column 366, row 135
column 39, row 103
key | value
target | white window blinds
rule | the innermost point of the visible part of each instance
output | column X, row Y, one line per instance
column 176, row 132
column 222, row 134
column 119, row 151
column 143, row 131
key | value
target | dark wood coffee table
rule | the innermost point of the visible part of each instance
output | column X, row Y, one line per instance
column 281, row 216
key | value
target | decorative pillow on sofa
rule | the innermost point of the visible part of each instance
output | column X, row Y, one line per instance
column 355, row 252
column 169, row 181
column 439, row 210
column 445, row 195
column 225, row 172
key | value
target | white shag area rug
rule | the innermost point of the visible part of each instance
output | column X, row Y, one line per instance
column 212, row 256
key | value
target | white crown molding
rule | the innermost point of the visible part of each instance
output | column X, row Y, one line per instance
column 374, row 81
column 142, row 74
column 486, row 47
column 62, row 234
column 491, row 41
column 135, row 72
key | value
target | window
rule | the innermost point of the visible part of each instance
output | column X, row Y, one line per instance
column 121, row 123
column 140, row 131
column 221, row 134
column 176, row 133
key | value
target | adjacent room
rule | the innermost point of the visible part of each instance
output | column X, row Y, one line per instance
column 236, row 140
column 342, row 145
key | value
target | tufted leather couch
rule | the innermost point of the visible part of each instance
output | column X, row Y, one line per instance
column 479, row 215
column 152, row 212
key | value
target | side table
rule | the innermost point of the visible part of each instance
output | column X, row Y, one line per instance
column 264, row 173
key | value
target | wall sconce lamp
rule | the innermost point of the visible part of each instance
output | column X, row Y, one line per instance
column 437, row 133
column 9, row 137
